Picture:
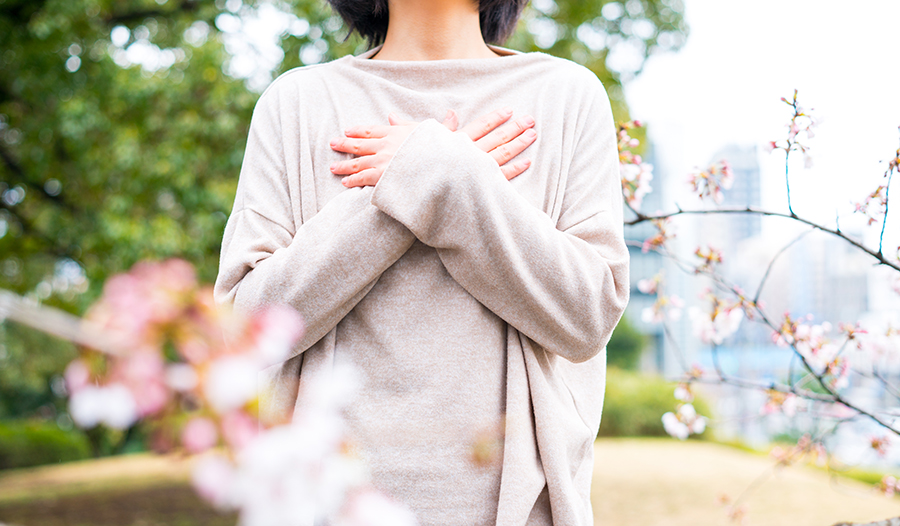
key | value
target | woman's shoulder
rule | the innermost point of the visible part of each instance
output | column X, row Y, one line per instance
column 301, row 82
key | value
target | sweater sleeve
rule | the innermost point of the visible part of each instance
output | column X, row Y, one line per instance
column 562, row 285
column 322, row 267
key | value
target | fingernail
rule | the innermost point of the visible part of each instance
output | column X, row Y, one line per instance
column 507, row 110
column 449, row 114
column 527, row 163
column 530, row 134
column 333, row 143
column 529, row 120
column 345, row 181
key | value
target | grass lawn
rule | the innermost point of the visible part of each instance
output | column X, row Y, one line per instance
column 133, row 490
column 637, row 482
column 664, row 482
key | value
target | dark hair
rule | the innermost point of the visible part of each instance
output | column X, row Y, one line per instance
column 369, row 18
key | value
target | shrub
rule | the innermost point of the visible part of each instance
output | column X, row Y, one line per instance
column 625, row 346
column 635, row 403
column 33, row 443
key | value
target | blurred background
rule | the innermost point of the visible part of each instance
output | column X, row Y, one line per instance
column 122, row 128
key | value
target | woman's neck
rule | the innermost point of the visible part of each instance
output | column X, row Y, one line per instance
column 433, row 30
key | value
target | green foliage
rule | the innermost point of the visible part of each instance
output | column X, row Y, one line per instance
column 34, row 443
column 625, row 346
column 635, row 403
column 104, row 163
column 30, row 365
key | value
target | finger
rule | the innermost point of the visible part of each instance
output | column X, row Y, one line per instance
column 395, row 121
column 451, row 121
column 366, row 177
column 503, row 153
column 355, row 146
column 511, row 170
column 505, row 133
column 352, row 166
column 367, row 132
column 483, row 125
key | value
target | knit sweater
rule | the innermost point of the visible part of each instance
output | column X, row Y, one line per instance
column 470, row 303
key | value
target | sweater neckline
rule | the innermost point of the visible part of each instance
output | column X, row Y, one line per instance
column 507, row 57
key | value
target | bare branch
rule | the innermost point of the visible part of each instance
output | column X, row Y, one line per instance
column 641, row 218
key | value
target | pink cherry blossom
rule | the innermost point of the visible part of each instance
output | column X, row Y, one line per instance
column 683, row 393
column 880, row 444
column 874, row 206
column 239, row 429
column 77, row 375
column 199, row 434
column 710, row 182
column 370, row 508
column 715, row 326
column 663, row 235
column 212, row 477
column 778, row 401
column 684, row 422
column 888, row 486
column 144, row 374
column 648, row 286
column 635, row 173
column 112, row 405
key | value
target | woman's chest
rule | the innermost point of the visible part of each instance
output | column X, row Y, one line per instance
column 354, row 104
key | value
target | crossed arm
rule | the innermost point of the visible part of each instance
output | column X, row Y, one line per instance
column 562, row 284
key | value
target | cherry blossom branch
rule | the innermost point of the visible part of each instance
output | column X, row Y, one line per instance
column 831, row 394
column 55, row 322
column 643, row 218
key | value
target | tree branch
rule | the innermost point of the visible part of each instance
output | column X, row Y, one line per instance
column 642, row 218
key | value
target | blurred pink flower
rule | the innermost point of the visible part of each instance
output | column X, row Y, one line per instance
column 663, row 235
column 710, row 182
column 77, row 375
column 778, row 401
column 683, row 393
column 230, row 382
column 649, row 286
column 143, row 373
column 888, row 486
column 880, row 444
column 212, row 477
column 715, row 326
column 275, row 330
column 181, row 377
column 199, row 434
column 239, row 429
column 683, row 422
column 112, row 405
column 370, row 508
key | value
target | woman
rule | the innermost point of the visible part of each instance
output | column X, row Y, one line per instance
column 475, row 289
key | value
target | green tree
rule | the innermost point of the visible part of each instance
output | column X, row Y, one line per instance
column 104, row 162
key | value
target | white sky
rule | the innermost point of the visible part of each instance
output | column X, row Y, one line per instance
column 725, row 86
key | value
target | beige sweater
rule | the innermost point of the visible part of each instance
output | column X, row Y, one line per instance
column 469, row 302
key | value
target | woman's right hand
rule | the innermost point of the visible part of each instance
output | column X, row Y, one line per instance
column 496, row 135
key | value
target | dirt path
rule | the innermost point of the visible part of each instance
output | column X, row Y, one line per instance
column 650, row 482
